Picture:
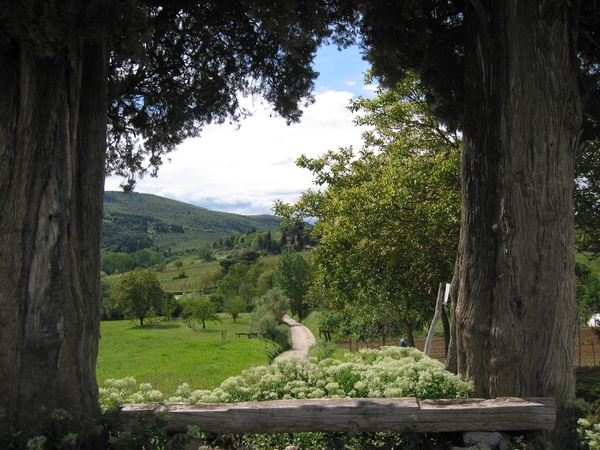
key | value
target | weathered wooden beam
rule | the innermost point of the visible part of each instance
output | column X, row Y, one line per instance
column 503, row 413
column 356, row 415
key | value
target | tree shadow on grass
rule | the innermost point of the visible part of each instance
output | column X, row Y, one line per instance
column 156, row 326
column 209, row 331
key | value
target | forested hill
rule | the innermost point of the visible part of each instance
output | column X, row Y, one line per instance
column 130, row 219
column 172, row 211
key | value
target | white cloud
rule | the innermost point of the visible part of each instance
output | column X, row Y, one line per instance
column 247, row 169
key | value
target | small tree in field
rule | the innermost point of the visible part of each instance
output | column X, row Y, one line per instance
column 234, row 306
column 247, row 292
column 201, row 309
column 139, row 295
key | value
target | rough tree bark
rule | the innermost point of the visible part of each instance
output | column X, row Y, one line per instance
column 52, row 149
column 514, row 311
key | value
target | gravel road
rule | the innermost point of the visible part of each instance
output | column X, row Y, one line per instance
column 302, row 340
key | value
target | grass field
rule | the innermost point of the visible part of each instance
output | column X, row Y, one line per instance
column 194, row 271
column 168, row 354
column 312, row 322
column 585, row 259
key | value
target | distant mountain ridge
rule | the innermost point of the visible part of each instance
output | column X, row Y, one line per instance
column 174, row 211
column 134, row 221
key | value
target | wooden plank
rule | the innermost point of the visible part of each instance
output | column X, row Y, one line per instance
column 289, row 416
column 356, row 415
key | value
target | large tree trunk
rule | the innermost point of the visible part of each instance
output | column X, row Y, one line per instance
column 409, row 334
column 514, row 311
column 52, row 149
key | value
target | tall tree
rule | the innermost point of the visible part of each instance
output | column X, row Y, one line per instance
column 156, row 72
column 294, row 278
column 508, row 74
column 388, row 217
column 514, row 309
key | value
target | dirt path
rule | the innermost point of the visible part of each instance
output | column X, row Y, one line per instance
column 302, row 340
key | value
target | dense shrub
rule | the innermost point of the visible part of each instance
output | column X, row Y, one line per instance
column 118, row 392
column 266, row 323
column 275, row 300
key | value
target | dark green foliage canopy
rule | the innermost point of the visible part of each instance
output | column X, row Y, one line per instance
column 423, row 37
column 427, row 38
column 176, row 66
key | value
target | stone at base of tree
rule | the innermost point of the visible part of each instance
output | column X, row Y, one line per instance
column 482, row 447
column 194, row 444
column 492, row 440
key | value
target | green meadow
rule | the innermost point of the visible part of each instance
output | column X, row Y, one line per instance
column 167, row 354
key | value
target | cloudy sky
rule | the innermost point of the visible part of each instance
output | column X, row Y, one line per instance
column 245, row 170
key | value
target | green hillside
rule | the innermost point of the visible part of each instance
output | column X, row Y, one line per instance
column 135, row 221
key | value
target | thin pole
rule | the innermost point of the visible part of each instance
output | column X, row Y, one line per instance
column 579, row 332
column 436, row 317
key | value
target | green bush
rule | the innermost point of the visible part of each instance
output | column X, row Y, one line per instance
column 180, row 276
column 265, row 322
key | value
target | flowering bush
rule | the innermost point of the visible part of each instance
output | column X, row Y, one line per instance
column 118, row 392
column 589, row 433
column 385, row 373
column 389, row 372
